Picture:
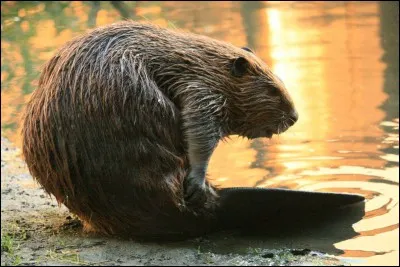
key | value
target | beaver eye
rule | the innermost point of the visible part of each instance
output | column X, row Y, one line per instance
column 239, row 66
column 247, row 49
column 273, row 90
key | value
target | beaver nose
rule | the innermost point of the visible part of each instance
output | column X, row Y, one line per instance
column 293, row 117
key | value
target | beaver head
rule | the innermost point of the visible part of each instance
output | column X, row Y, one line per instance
column 263, row 106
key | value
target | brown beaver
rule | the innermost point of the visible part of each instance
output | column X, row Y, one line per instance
column 125, row 118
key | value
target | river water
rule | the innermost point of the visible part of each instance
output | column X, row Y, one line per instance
column 339, row 61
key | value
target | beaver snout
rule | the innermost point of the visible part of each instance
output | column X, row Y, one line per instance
column 288, row 120
column 292, row 117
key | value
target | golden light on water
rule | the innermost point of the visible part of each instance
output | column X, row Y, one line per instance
column 302, row 81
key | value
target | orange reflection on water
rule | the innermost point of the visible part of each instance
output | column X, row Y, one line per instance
column 46, row 30
column 330, row 81
column 230, row 165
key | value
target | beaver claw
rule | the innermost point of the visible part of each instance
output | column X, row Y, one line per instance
column 199, row 194
column 195, row 192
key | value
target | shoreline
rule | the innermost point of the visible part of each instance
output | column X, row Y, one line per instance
column 36, row 231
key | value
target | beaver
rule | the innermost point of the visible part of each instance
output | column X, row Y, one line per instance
column 126, row 117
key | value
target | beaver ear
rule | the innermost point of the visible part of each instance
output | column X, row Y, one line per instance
column 239, row 66
column 248, row 49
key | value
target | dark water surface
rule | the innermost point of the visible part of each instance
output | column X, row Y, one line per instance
column 339, row 61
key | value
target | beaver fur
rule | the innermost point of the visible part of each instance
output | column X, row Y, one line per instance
column 125, row 118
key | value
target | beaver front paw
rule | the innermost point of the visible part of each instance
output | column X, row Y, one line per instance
column 199, row 194
column 195, row 191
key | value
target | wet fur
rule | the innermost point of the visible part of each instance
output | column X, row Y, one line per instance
column 107, row 130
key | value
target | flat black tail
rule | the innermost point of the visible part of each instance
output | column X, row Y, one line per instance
column 251, row 210
column 246, row 207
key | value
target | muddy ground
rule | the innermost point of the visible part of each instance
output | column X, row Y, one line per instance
column 36, row 231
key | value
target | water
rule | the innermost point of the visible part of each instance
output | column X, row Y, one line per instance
column 339, row 61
